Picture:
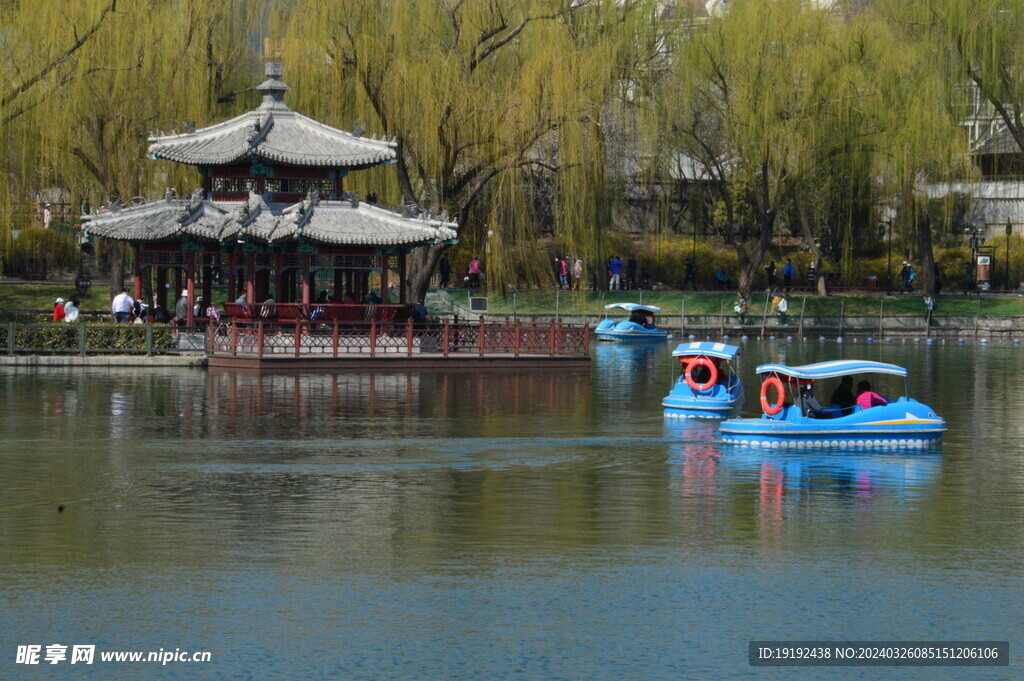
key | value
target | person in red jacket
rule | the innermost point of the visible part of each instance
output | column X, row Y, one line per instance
column 58, row 310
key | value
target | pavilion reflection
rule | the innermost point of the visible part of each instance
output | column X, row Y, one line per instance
column 235, row 395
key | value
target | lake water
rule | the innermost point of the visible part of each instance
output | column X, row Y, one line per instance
column 504, row 525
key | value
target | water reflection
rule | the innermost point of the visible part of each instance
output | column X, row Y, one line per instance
column 391, row 506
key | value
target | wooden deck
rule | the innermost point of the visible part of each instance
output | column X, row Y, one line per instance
column 315, row 344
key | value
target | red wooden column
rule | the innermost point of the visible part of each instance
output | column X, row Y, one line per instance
column 138, row 272
column 384, row 278
column 190, row 286
column 402, row 283
column 207, row 288
column 250, row 278
column 306, row 300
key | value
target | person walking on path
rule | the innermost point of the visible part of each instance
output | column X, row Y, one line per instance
column 615, row 272
column 122, row 307
column 907, row 276
column 577, row 274
column 788, row 274
column 782, row 307
column 691, row 274
column 769, row 272
column 71, row 310
column 741, row 310
column 474, row 273
column 181, row 308
column 445, row 268
column 722, row 278
column 929, row 308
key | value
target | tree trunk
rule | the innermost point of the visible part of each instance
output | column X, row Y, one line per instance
column 924, row 244
column 805, row 225
column 422, row 263
column 117, row 266
column 750, row 261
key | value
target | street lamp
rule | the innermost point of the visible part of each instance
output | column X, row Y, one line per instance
column 971, row 280
column 1009, row 231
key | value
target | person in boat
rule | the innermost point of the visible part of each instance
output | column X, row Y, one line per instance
column 843, row 397
column 809, row 404
column 867, row 399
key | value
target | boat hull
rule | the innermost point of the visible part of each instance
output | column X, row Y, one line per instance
column 718, row 402
column 628, row 332
column 903, row 424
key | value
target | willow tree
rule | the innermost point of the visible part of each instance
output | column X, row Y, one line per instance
column 90, row 80
column 760, row 89
column 922, row 96
column 981, row 44
column 481, row 96
column 779, row 99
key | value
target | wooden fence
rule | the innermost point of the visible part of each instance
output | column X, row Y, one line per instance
column 314, row 338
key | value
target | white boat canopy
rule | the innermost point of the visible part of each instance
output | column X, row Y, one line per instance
column 840, row 367
column 720, row 350
column 629, row 307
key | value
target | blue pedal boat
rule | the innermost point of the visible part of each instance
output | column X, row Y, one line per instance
column 901, row 423
column 707, row 388
column 639, row 327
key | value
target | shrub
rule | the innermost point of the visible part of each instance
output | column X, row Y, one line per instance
column 61, row 337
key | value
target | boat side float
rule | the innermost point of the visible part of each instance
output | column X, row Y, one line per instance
column 640, row 326
column 707, row 388
column 901, row 423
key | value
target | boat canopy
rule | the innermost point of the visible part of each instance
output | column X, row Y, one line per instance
column 719, row 350
column 840, row 367
column 629, row 307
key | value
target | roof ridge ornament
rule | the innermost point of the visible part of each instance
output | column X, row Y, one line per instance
column 273, row 88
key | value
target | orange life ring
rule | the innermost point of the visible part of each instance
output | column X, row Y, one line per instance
column 712, row 374
column 769, row 408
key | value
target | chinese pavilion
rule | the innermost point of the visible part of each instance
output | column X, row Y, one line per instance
column 272, row 217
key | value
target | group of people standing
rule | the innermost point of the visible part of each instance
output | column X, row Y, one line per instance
column 568, row 276
column 66, row 310
column 618, row 282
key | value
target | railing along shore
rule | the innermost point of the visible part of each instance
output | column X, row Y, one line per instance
column 306, row 338
column 300, row 338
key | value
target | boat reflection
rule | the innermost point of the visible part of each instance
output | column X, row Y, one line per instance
column 863, row 472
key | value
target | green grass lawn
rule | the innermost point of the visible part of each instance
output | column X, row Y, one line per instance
column 693, row 303
column 42, row 296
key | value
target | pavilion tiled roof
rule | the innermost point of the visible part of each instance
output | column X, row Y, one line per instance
column 275, row 133
column 343, row 223
column 1000, row 143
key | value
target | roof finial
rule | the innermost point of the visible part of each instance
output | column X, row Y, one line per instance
column 273, row 88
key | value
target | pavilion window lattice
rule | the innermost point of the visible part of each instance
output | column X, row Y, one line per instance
column 238, row 185
column 163, row 258
column 285, row 185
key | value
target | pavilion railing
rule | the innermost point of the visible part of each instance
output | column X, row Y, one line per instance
column 320, row 312
column 335, row 338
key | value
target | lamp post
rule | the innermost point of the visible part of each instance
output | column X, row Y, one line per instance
column 1009, row 231
column 972, row 277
